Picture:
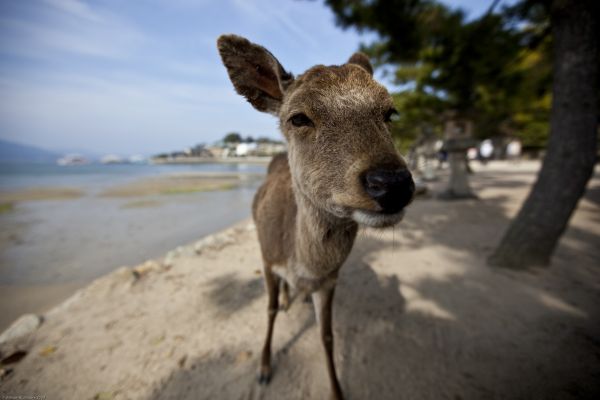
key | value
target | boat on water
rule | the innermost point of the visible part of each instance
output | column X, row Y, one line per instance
column 72, row 159
column 137, row 159
column 112, row 159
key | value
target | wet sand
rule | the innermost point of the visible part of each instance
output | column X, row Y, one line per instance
column 39, row 298
column 39, row 193
column 180, row 184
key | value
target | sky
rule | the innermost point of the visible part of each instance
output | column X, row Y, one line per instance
column 143, row 77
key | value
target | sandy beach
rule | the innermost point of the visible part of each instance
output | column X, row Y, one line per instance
column 418, row 315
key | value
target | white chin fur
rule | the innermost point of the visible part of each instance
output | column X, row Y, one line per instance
column 376, row 220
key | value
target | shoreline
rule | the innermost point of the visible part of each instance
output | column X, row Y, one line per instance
column 44, row 297
column 52, row 243
column 52, row 191
column 209, row 160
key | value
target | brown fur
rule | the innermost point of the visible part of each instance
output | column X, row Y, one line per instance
column 277, row 241
column 306, row 209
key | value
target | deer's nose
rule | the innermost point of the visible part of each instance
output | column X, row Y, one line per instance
column 391, row 189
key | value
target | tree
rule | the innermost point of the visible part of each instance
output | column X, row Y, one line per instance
column 534, row 233
column 418, row 112
column 232, row 137
column 491, row 70
column 496, row 70
column 436, row 50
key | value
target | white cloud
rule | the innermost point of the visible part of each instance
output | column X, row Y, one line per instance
column 278, row 17
column 76, row 8
column 68, row 26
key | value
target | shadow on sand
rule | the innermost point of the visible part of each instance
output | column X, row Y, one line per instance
column 408, row 326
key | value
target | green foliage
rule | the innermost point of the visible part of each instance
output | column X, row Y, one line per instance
column 232, row 137
column 6, row 207
column 405, row 27
column 530, row 116
column 491, row 70
column 264, row 139
column 417, row 111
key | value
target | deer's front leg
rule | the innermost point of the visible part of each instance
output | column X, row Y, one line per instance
column 285, row 295
column 272, row 284
column 323, row 302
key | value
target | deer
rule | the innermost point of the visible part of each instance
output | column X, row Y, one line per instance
column 341, row 170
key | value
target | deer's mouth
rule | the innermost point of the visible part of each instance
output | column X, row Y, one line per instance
column 377, row 219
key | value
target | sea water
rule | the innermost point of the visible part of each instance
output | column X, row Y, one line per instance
column 78, row 239
column 47, row 244
column 100, row 176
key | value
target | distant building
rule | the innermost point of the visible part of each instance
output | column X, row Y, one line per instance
column 199, row 150
column 245, row 149
column 218, row 152
column 264, row 149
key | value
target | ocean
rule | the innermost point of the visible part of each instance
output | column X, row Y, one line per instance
column 52, row 246
column 99, row 176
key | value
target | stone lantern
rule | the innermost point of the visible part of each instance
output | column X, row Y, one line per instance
column 457, row 140
column 423, row 153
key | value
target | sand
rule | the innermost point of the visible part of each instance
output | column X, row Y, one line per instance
column 39, row 193
column 418, row 315
column 180, row 184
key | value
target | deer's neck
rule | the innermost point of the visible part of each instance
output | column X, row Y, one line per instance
column 323, row 241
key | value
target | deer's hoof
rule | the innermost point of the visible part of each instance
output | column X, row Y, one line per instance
column 264, row 376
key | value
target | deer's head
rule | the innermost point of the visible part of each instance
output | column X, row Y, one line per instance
column 336, row 122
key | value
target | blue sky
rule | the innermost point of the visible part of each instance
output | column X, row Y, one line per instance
column 134, row 76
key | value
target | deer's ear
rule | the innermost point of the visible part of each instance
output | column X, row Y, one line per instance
column 255, row 72
column 362, row 60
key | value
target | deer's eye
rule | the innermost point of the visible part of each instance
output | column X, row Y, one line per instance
column 301, row 119
column 390, row 115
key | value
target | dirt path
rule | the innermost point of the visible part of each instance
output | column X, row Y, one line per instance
column 418, row 315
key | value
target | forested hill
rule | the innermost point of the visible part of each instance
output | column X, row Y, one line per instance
column 15, row 152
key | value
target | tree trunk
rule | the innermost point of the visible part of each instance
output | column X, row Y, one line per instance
column 533, row 235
